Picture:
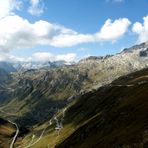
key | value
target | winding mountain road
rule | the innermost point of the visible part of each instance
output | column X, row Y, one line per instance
column 17, row 129
column 16, row 134
column 37, row 139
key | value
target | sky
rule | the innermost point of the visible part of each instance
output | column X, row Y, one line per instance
column 52, row 30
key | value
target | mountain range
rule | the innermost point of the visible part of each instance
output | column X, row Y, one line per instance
column 97, row 102
column 19, row 66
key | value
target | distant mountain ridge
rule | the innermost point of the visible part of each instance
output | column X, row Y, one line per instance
column 7, row 67
column 136, row 50
column 39, row 64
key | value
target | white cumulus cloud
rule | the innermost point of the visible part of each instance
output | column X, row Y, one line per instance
column 8, row 7
column 13, row 58
column 43, row 56
column 141, row 30
column 23, row 34
column 69, row 57
column 111, row 31
column 39, row 56
column 47, row 56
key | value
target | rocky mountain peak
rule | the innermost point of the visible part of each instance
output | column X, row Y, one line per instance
column 94, row 58
column 136, row 47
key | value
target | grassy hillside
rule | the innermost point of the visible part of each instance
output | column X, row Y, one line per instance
column 115, row 115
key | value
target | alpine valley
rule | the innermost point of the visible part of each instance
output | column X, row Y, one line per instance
column 98, row 102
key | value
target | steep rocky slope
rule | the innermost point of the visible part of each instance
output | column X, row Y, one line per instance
column 37, row 94
column 110, row 67
column 117, row 118
column 113, row 116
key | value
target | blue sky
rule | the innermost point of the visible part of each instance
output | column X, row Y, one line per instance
column 86, row 21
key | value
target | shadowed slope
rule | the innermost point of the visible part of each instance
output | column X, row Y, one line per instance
column 114, row 115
